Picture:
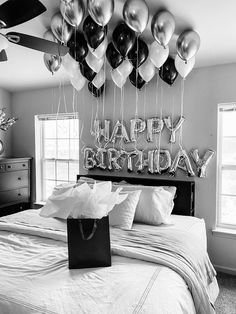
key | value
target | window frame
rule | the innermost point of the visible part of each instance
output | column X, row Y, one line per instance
column 39, row 150
column 221, row 167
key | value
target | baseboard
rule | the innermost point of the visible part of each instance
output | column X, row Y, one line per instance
column 227, row 270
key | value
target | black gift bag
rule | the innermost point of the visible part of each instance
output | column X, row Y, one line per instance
column 88, row 242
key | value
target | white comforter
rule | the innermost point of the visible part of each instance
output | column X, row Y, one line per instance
column 35, row 277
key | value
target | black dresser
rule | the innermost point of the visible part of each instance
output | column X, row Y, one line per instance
column 15, row 185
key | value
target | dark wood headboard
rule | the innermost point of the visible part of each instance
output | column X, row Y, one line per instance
column 184, row 200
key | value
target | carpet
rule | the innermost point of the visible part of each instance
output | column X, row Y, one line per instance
column 226, row 301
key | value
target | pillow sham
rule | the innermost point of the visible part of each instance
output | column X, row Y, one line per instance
column 155, row 203
column 122, row 215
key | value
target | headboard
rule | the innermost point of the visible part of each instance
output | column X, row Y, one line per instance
column 184, row 200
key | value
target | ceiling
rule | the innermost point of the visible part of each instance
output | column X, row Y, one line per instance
column 213, row 20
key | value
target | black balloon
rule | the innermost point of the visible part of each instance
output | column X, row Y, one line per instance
column 86, row 71
column 94, row 33
column 96, row 92
column 136, row 79
column 78, row 46
column 139, row 53
column 113, row 56
column 168, row 72
column 123, row 39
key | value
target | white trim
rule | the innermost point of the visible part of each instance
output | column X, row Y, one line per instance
column 224, row 269
column 225, row 232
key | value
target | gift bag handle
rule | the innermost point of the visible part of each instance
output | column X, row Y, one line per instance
column 92, row 232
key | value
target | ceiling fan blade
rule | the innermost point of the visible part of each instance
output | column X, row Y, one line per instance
column 36, row 43
column 3, row 56
column 15, row 12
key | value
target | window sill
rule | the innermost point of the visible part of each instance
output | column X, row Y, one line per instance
column 224, row 233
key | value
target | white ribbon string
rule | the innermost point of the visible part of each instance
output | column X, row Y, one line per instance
column 181, row 114
column 157, row 87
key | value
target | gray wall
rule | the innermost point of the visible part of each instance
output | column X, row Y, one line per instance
column 204, row 89
column 5, row 136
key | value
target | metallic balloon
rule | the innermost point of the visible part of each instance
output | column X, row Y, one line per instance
column 188, row 44
column 101, row 10
column 163, row 27
column 100, row 156
column 119, row 132
column 181, row 159
column 118, row 78
column 48, row 35
column 168, row 72
column 173, row 126
column 94, row 63
column 162, row 160
column 135, row 13
column 182, row 67
column 136, row 126
column 89, row 158
column 136, row 79
column 147, row 70
column 61, row 30
column 202, row 163
column 53, row 63
column 158, row 54
column 125, row 68
column 99, row 79
column 154, row 125
column 100, row 51
column 72, row 11
column 113, row 156
column 102, row 132
column 130, row 156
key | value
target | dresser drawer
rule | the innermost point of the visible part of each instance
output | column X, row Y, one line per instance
column 19, row 195
column 14, row 180
column 2, row 168
column 17, row 166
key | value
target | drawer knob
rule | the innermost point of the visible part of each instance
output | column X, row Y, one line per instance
column 19, row 194
column 9, row 167
column 19, row 178
column 23, row 165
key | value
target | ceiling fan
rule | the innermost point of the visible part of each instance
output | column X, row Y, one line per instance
column 15, row 12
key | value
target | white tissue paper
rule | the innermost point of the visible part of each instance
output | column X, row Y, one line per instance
column 82, row 201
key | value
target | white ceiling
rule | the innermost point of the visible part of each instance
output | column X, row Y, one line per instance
column 214, row 21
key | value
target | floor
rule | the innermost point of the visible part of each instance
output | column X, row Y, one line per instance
column 226, row 301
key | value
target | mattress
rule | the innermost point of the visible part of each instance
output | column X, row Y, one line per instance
column 35, row 277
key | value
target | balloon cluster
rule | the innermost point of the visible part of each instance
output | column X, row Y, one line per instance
column 128, row 54
column 5, row 123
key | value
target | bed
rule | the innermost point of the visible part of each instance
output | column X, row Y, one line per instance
column 143, row 278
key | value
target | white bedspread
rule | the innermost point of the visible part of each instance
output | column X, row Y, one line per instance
column 35, row 277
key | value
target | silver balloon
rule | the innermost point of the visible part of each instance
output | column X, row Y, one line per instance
column 162, row 160
column 100, row 156
column 102, row 132
column 53, row 63
column 135, row 13
column 72, row 11
column 202, row 163
column 119, row 132
column 173, row 127
column 188, row 44
column 136, row 126
column 89, row 158
column 101, row 10
column 113, row 156
column 181, row 161
column 154, row 125
column 130, row 156
column 60, row 28
column 48, row 35
column 163, row 27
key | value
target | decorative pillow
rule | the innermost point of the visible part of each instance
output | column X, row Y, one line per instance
column 122, row 215
column 155, row 203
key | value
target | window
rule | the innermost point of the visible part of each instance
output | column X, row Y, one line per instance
column 227, row 166
column 57, row 152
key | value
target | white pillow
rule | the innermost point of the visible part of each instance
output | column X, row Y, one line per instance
column 122, row 215
column 155, row 203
